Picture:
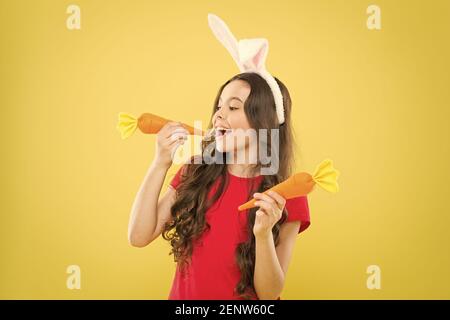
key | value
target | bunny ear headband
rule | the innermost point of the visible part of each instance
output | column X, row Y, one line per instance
column 250, row 56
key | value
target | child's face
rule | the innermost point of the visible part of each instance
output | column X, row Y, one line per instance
column 230, row 115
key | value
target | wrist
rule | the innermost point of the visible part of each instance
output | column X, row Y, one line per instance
column 161, row 164
column 266, row 236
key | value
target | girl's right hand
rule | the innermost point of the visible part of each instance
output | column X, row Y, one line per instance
column 169, row 138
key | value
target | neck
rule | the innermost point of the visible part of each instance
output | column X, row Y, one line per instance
column 241, row 170
column 244, row 170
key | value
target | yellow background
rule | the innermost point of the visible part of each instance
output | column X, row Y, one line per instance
column 376, row 102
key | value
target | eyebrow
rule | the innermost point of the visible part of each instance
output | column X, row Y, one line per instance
column 231, row 98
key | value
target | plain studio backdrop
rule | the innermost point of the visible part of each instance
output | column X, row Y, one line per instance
column 375, row 101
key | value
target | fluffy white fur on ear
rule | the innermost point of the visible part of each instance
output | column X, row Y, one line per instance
column 253, row 53
column 224, row 35
column 250, row 56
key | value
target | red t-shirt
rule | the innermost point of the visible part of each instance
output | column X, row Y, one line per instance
column 213, row 272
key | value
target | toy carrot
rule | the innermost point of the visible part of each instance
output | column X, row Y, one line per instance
column 147, row 123
column 302, row 183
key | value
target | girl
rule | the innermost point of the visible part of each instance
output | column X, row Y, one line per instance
column 222, row 253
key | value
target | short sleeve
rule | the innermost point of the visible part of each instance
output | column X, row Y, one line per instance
column 177, row 178
column 298, row 210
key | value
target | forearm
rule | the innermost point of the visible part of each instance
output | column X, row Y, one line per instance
column 144, row 215
column 269, row 277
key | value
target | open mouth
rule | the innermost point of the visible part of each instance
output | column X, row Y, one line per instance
column 220, row 132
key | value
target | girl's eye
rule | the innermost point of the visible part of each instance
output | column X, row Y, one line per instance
column 231, row 108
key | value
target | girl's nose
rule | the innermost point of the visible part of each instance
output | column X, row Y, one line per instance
column 219, row 114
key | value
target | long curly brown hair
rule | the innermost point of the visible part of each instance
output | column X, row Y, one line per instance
column 191, row 204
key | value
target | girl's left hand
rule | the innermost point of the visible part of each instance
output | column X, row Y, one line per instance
column 271, row 206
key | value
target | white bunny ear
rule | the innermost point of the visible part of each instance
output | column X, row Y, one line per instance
column 224, row 35
column 253, row 53
column 250, row 56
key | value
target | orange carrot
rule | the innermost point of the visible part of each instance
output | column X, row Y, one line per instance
column 303, row 183
column 147, row 123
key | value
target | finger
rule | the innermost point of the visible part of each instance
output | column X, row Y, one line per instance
column 179, row 129
column 168, row 144
column 178, row 136
column 173, row 127
column 265, row 197
column 267, row 207
column 172, row 143
column 177, row 132
column 260, row 213
column 171, row 124
column 174, row 147
column 278, row 198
